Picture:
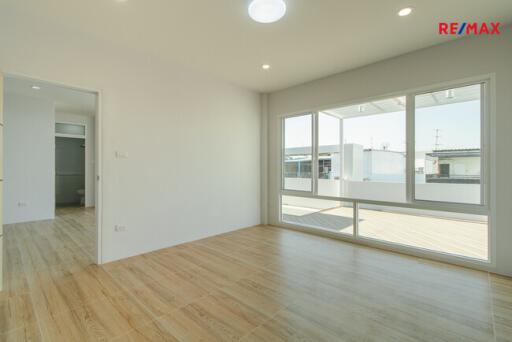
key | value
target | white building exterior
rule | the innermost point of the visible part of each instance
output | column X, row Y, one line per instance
column 380, row 174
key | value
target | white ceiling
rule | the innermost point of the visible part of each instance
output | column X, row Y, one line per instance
column 316, row 38
column 66, row 100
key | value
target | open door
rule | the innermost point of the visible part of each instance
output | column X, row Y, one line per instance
column 1, row 177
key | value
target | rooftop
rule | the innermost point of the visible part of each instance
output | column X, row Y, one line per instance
column 465, row 152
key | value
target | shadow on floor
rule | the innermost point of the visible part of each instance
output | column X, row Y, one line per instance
column 327, row 221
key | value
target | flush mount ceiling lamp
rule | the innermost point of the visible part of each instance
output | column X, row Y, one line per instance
column 405, row 12
column 267, row 11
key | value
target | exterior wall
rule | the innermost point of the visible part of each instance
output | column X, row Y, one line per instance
column 466, row 166
column 353, row 162
column 385, row 166
column 312, row 203
column 389, row 191
column 317, row 204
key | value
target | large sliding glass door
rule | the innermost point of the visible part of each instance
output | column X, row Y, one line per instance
column 406, row 170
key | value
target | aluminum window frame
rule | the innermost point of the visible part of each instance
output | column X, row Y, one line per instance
column 283, row 151
column 485, row 208
column 484, row 141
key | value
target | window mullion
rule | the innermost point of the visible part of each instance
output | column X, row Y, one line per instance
column 342, row 159
column 355, row 215
column 484, row 152
column 410, row 148
column 314, row 157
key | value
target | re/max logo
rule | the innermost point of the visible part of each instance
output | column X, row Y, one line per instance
column 456, row 28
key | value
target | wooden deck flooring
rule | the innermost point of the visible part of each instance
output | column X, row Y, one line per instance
column 453, row 236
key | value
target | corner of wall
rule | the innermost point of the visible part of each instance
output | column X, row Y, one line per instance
column 264, row 159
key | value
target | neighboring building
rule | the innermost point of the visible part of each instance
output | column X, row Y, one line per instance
column 384, row 166
column 297, row 166
column 371, row 165
column 455, row 166
column 298, row 162
column 359, row 164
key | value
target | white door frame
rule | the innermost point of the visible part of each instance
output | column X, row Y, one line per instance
column 98, row 151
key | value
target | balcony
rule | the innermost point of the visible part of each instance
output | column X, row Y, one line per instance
column 456, row 234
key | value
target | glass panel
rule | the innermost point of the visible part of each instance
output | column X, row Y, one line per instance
column 329, row 158
column 452, row 233
column 298, row 152
column 374, row 157
column 65, row 128
column 317, row 213
column 448, row 145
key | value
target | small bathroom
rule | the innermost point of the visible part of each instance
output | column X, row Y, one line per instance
column 70, row 166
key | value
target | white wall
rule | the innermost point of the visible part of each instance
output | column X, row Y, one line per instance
column 192, row 142
column 443, row 63
column 90, row 143
column 29, row 159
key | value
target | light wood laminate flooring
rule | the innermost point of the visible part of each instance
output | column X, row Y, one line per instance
column 255, row 284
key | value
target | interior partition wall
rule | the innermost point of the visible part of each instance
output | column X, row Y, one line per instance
column 410, row 171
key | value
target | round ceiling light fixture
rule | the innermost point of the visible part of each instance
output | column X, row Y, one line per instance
column 267, row 11
column 265, row 66
column 405, row 12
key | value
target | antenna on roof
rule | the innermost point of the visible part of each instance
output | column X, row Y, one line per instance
column 437, row 144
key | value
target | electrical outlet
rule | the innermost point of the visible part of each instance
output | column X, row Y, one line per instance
column 119, row 228
column 22, row 204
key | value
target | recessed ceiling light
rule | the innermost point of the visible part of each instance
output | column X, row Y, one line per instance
column 265, row 66
column 36, row 87
column 405, row 11
column 267, row 11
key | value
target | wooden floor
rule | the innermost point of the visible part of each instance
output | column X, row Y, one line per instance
column 255, row 284
column 453, row 236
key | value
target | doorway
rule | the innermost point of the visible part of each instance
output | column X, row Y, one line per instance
column 69, row 172
column 444, row 170
column 51, row 188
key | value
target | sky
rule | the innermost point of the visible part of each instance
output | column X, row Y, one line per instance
column 458, row 125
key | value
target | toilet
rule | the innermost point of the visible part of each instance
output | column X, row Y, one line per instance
column 81, row 193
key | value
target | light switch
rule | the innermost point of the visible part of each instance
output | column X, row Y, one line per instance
column 121, row 155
